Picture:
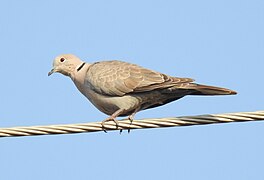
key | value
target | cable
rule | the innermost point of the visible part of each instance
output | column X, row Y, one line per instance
column 137, row 124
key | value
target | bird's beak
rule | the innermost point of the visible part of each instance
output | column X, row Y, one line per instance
column 51, row 72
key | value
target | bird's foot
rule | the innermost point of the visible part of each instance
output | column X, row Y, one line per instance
column 130, row 118
column 109, row 119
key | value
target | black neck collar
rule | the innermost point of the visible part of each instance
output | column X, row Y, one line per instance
column 81, row 66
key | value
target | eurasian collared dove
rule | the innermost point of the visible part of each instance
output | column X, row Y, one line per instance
column 122, row 89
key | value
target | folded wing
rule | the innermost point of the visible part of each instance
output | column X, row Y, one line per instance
column 117, row 78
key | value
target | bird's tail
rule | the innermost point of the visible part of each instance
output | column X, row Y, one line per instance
column 200, row 89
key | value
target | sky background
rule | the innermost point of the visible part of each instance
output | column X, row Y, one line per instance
column 215, row 42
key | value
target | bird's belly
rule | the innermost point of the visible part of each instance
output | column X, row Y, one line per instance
column 110, row 104
column 129, row 103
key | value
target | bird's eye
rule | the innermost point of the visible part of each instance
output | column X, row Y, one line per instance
column 62, row 59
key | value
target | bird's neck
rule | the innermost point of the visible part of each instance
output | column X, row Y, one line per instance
column 78, row 75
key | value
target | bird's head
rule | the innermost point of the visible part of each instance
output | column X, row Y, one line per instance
column 65, row 64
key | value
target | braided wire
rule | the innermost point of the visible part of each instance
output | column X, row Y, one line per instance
column 136, row 124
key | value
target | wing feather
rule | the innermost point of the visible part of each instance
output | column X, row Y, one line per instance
column 117, row 78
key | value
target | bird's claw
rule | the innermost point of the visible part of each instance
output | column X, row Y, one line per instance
column 106, row 120
column 130, row 118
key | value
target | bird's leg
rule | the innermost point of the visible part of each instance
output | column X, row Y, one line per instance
column 112, row 118
column 131, row 117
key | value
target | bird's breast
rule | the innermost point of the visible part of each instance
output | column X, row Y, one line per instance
column 109, row 104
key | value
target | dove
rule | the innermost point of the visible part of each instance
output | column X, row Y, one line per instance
column 120, row 88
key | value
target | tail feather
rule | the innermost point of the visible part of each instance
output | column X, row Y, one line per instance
column 209, row 90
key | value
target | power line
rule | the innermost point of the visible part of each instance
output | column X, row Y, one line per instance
column 137, row 124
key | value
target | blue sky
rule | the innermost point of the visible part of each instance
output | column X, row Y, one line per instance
column 215, row 42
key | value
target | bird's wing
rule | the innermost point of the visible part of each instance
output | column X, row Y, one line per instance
column 117, row 78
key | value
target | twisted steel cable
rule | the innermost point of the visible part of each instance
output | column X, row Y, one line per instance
column 136, row 124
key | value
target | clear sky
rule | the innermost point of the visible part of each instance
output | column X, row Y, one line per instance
column 215, row 42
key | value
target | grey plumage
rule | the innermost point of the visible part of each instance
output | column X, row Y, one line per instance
column 119, row 88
